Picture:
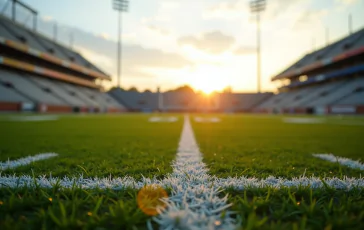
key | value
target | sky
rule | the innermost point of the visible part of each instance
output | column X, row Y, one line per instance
column 208, row 44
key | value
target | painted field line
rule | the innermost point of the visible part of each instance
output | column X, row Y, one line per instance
column 341, row 160
column 194, row 202
column 207, row 119
column 303, row 120
column 245, row 183
column 241, row 183
column 26, row 160
column 163, row 119
column 34, row 118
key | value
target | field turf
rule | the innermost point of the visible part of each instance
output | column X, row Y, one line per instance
column 95, row 146
column 260, row 146
column 128, row 145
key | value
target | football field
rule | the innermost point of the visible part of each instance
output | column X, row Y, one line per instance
column 177, row 171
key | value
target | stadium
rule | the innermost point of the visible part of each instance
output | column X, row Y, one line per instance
column 76, row 154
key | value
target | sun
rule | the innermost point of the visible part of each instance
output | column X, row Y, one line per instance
column 207, row 89
column 208, row 80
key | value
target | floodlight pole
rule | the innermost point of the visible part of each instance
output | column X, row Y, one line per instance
column 258, row 55
column 119, row 48
column 120, row 6
column 350, row 24
column 257, row 6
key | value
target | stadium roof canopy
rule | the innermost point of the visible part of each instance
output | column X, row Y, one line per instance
column 345, row 48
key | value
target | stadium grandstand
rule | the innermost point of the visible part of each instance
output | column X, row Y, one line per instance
column 189, row 101
column 327, row 81
column 39, row 74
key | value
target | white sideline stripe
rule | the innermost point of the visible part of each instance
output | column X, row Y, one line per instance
column 207, row 119
column 163, row 119
column 34, row 118
column 245, row 183
column 341, row 160
column 242, row 183
column 303, row 120
column 25, row 161
column 194, row 202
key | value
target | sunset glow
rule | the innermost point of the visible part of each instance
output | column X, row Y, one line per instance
column 208, row 79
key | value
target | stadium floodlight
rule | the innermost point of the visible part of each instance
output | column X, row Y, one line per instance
column 257, row 6
column 120, row 6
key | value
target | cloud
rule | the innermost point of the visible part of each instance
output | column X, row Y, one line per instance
column 47, row 18
column 281, row 8
column 245, row 50
column 136, row 55
column 100, row 49
column 105, row 36
column 309, row 17
column 226, row 10
column 159, row 30
column 94, row 57
column 347, row 2
column 214, row 42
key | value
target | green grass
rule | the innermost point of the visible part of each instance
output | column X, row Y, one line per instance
column 299, row 209
column 101, row 146
column 259, row 146
column 70, row 209
column 255, row 146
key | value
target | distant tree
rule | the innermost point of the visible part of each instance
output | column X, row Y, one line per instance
column 116, row 87
column 185, row 89
column 132, row 89
column 227, row 89
column 147, row 91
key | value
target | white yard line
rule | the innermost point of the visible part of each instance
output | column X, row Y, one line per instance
column 245, row 183
column 303, row 120
column 25, row 161
column 341, row 160
column 163, row 119
column 194, row 202
column 34, row 118
column 207, row 119
column 241, row 183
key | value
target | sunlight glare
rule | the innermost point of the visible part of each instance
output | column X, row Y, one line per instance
column 208, row 79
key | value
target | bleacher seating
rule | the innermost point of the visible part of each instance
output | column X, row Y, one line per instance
column 58, row 91
column 177, row 101
column 32, row 85
column 356, row 98
column 28, row 88
column 323, row 80
column 13, row 33
column 102, row 99
column 74, row 90
column 272, row 102
column 314, row 92
column 334, row 96
column 7, row 94
column 241, row 101
column 136, row 101
column 349, row 43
